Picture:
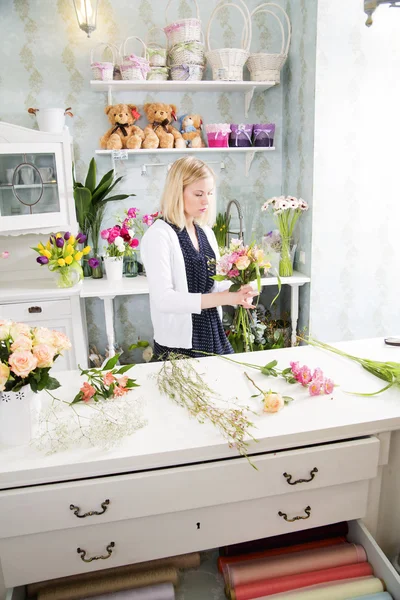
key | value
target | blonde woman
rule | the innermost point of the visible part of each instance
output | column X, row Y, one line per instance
column 185, row 302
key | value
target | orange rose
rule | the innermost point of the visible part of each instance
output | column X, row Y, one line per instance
column 44, row 354
column 4, row 375
column 273, row 402
column 22, row 362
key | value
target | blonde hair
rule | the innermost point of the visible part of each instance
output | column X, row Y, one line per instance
column 184, row 172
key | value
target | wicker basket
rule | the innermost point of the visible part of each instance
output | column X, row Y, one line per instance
column 186, row 53
column 158, row 74
column 264, row 66
column 187, row 72
column 102, row 71
column 183, row 30
column 227, row 63
column 156, row 53
column 134, row 67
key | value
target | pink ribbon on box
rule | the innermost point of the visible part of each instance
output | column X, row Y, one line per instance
column 242, row 129
column 173, row 27
column 140, row 63
column 102, row 66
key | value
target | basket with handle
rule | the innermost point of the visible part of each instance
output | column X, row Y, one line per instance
column 134, row 67
column 102, row 70
column 187, row 53
column 262, row 65
column 156, row 53
column 183, row 30
column 158, row 74
column 187, row 72
column 227, row 63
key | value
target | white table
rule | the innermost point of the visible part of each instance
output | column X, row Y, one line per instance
column 108, row 290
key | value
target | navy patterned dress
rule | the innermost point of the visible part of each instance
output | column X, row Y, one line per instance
column 208, row 332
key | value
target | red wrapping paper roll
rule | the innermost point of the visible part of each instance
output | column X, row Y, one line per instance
column 292, row 564
column 229, row 560
column 267, row 587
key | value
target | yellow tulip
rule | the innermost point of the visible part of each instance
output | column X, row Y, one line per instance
column 71, row 240
column 40, row 246
column 46, row 253
column 68, row 260
column 61, row 262
column 48, row 245
column 86, row 250
column 58, row 235
column 68, row 249
column 78, row 256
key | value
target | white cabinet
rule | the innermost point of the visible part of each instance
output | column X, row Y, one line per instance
column 36, row 188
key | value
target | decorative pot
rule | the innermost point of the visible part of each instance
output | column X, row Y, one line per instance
column 113, row 266
column 130, row 266
column 18, row 416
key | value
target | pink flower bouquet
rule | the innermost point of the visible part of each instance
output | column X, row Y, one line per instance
column 121, row 241
column 27, row 355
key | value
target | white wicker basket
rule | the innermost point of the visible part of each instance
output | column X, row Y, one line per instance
column 102, row 70
column 187, row 72
column 156, row 53
column 227, row 63
column 158, row 74
column 134, row 67
column 186, row 53
column 264, row 66
column 183, row 30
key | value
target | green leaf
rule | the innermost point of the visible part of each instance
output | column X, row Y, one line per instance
column 219, row 277
column 271, row 364
column 34, row 386
column 112, row 199
column 78, row 398
column 131, row 383
column 104, row 185
column 255, row 395
column 110, row 364
column 52, row 383
column 288, row 399
column 90, row 182
column 124, row 369
column 83, row 203
column 235, row 287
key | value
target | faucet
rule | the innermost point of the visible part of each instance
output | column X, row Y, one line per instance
column 227, row 218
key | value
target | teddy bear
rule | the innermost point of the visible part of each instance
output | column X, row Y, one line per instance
column 123, row 132
column 159, row 133
column 191, row 131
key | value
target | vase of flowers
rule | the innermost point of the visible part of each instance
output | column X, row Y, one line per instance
column 95, row 265
column 286, row 211
column 241, row 265
column 62, row 255
column 120, row 241
column 26, row 357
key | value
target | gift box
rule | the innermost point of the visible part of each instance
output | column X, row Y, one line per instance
column 240, row 136
column 263, row 134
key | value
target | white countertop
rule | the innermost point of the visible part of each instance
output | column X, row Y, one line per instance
column 172, row 438
column 35, row 289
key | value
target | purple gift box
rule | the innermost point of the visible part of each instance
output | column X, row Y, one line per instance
column 240, row 136
column 263, row 134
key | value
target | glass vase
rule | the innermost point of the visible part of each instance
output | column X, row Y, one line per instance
column 67, row 277
column 87, row 270
column 130, row 266
column 97, row 272
column 285, row 263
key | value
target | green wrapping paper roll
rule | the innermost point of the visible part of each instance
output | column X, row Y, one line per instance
column 356, row 589
column 292, row 564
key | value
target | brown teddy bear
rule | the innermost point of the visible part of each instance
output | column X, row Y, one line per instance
column 123, row 132
column 160, row 133
column 191, row 131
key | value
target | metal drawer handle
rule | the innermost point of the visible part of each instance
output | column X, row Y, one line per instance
column 109, row 549
column 76, row 509
column 307, row 510
column 289, row 477
column 35, row 309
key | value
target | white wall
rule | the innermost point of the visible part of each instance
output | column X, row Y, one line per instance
column 355, row 289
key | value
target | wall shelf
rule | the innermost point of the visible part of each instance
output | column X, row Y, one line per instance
column 246, row 87
column 249, row 152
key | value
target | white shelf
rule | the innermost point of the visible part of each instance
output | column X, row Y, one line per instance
column 160, row 151
column 19, row 186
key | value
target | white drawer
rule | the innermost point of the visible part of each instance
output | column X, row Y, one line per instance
column 47, row 507
column 35, row 311
column 31, row 558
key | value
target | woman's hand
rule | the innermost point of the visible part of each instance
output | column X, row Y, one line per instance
column 243, row 297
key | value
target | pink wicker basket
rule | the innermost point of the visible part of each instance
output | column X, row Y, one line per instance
column 134, row 67
column 102, row 70
column 183, row 30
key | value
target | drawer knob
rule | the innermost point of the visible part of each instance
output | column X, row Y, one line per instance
column 307, row 510
column 289, row 477
column 35, row 309
column 76, row 510
column 109, row 549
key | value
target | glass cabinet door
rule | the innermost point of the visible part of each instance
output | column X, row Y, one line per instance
column 28, row 184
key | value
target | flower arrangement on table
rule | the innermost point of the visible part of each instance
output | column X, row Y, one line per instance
column 61, row 254
column 286, row 211
column 241, row 265
column 136, row 225
column 121, row 242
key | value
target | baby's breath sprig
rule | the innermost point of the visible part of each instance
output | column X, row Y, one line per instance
column 179, row 380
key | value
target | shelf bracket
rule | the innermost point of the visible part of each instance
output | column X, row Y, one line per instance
column 247, row 100
column 249, row 160
column 109, row 95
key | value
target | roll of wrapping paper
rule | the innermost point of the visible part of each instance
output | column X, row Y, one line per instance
column 229, row 560
column 164, row 591
column 287, row 539
column 338, row 590
column 292, row 564
column 110, row 583
column 276, row 585
column 183, row 561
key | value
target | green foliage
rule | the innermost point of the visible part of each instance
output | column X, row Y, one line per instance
column 220, row 229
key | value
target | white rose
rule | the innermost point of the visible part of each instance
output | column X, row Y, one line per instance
column 4, row 329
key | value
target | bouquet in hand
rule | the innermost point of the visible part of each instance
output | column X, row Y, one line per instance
column 241, row 265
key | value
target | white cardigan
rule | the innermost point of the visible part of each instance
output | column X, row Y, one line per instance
column 171, row 304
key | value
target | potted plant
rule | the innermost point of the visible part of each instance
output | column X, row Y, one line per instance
column 90, row 204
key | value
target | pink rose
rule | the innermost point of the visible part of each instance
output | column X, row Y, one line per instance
column 88, row 391
column 104, row 234
column 61, row 342
column 242, row 263
column 273, row 402
column 4, row 375
column 108, row 378
column 44, row 354
column 22, row 342
column 22, row 362
column 17, row 329
column 4, row 329
column 328, row 386
column 42, row 335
